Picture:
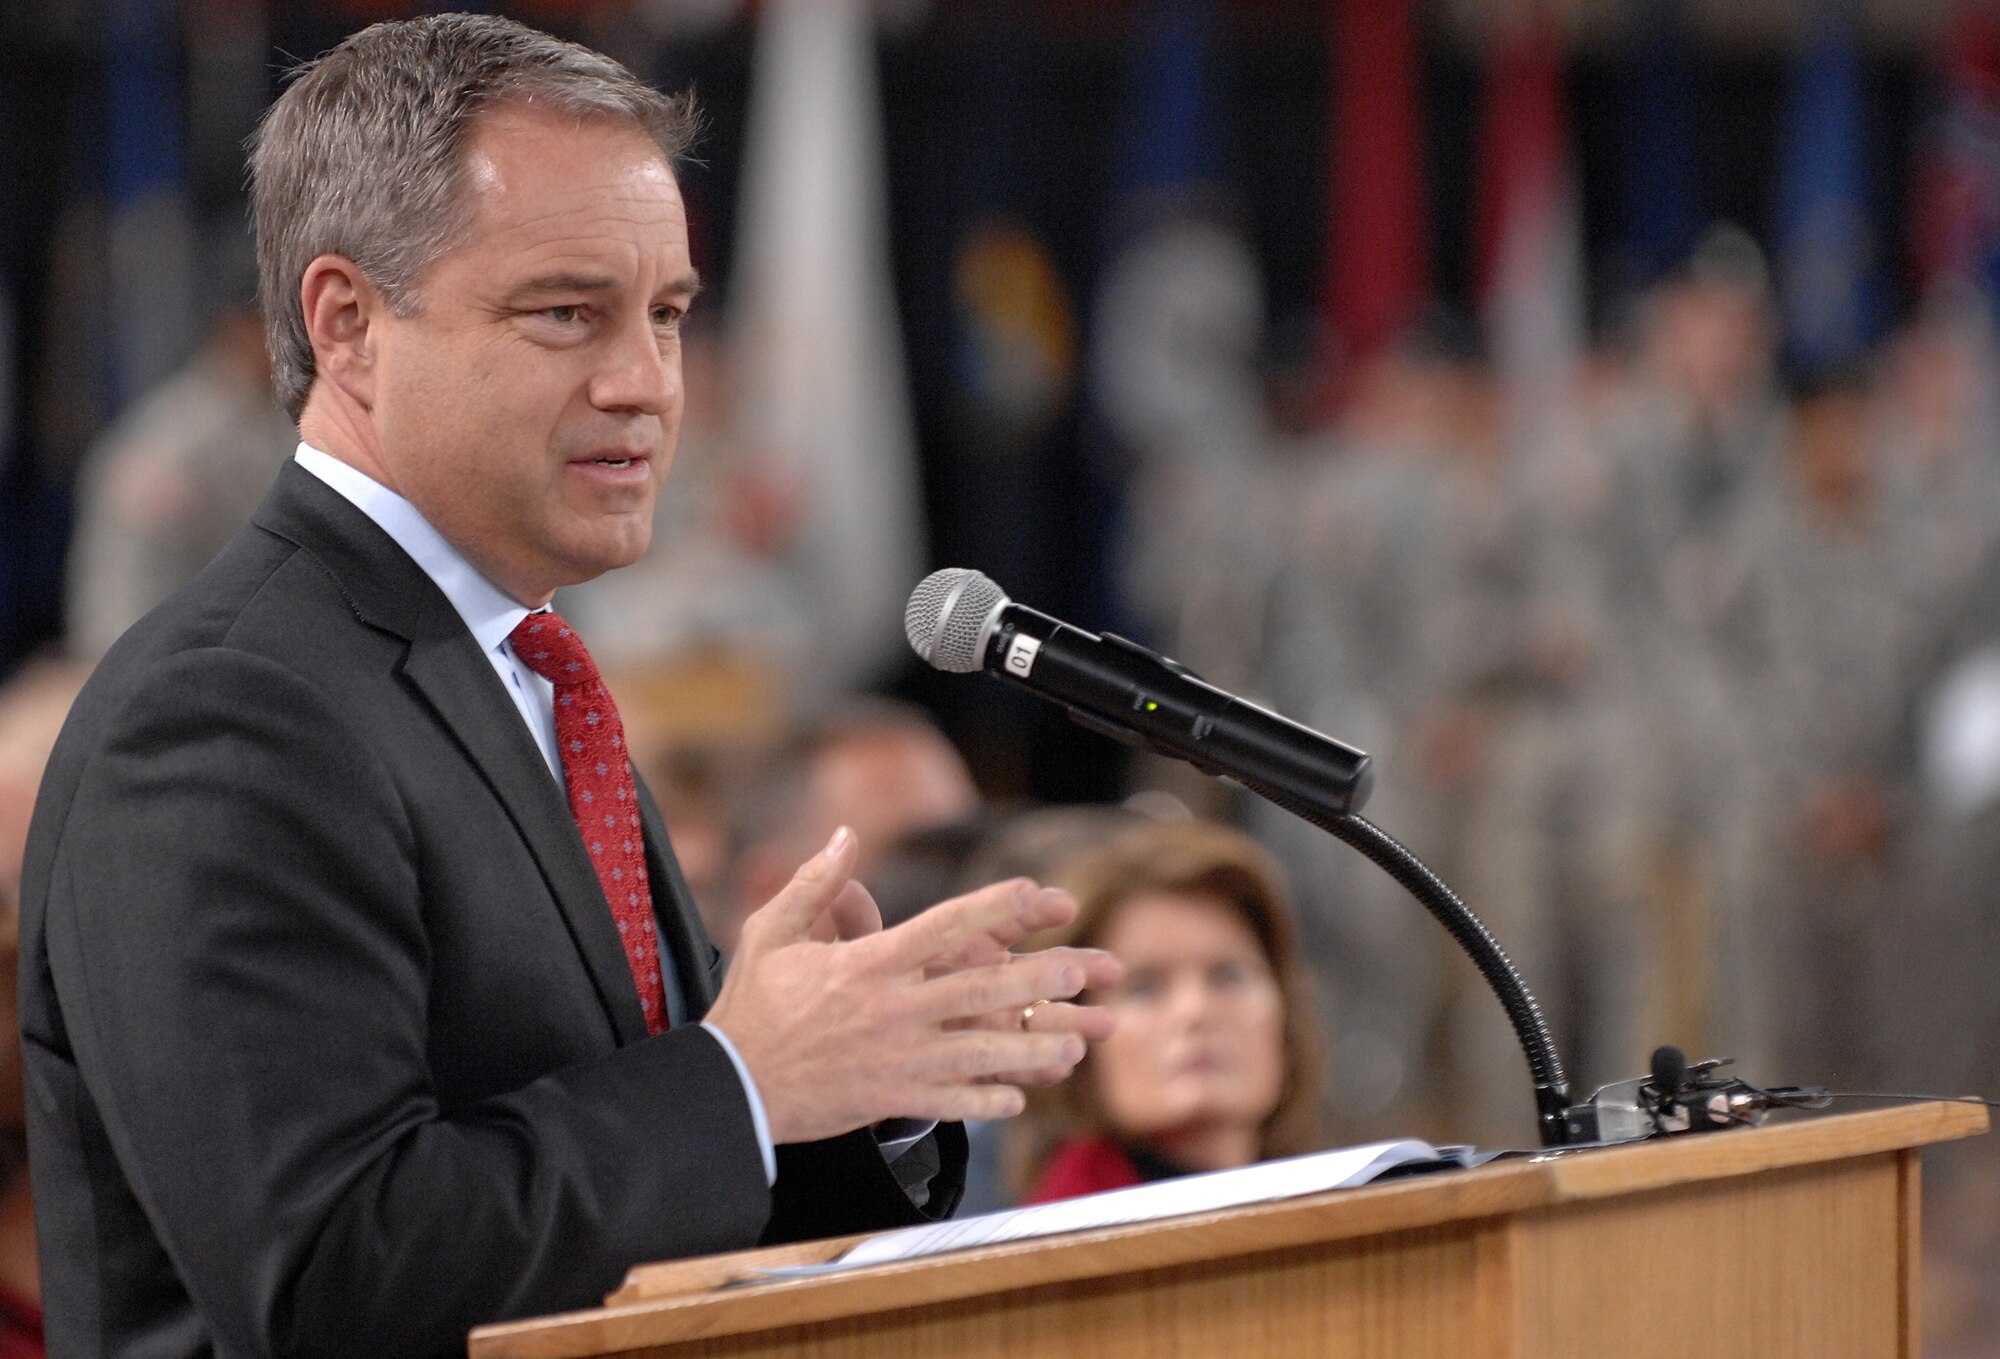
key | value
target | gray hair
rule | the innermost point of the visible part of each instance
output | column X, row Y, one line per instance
column 362, row 154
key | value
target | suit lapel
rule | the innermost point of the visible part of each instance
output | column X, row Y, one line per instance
column 445, row 667
column 674, row 908
column 462, row 688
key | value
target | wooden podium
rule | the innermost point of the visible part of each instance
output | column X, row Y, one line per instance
column 1797, row 1239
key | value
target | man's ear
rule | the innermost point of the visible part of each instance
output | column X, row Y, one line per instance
column 342, row 309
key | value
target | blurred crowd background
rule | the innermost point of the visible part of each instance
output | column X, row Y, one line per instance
column 1591, row 408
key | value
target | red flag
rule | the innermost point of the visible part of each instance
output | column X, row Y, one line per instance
column 1377, row 248
column 1955, row 195
column 1531, row 290
column 1522, row 163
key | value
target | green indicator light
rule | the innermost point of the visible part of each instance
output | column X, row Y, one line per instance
column 1152, row 707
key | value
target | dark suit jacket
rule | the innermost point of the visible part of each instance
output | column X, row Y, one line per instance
column 331, row 1046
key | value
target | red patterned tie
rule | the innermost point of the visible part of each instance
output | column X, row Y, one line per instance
column 602, row 796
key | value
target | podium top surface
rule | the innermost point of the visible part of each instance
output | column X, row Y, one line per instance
column 721, row 1295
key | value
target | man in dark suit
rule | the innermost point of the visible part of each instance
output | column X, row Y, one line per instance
column 362, row 998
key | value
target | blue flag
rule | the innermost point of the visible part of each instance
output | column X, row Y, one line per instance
column 151, row 235
column 1661, row 200
column 1826, row 237
column 1165, row 137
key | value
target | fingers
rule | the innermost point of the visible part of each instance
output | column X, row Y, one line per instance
column 1039, row 1078
column 982, row 923
column 843, row 1022
column 855, row 913
column 1100, row 969
column 967, row 1103
column 1092, row 1023
column 1052, row 974
column 792, row 914
column 971, row 1073
column 984, row 1056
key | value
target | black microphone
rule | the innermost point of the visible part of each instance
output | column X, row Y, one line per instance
column 1670, row 1071
column 960, row 621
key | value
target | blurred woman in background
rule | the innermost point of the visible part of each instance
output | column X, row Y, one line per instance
column 1215, row 1062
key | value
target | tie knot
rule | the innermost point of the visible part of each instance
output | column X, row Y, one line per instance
column 550, row 647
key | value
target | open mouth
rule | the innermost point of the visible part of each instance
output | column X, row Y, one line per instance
column 612, row 462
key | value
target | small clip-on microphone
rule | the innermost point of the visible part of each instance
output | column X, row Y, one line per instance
column 1679, row 1098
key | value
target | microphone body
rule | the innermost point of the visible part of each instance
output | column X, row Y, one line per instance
column 1122, row 690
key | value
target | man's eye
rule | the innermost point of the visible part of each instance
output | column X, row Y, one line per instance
column 667, row 317
column 564, row 314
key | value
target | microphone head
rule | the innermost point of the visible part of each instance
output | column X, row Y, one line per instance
column 947, row 617
column 1670, row 1070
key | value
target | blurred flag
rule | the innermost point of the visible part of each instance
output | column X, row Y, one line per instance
column 152, row 234
column 1377, row 240
column 1003, row 348
column 1177, row 347
column 1165, row 140
column 1011, row 322
column 1825, row 237
column 1177, row 320
column 1015, row 356
column 1530, row 237
column 817, row 352
column 1955, row 193
column 1661, row 208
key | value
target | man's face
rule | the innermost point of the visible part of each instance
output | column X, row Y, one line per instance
column 529, row 409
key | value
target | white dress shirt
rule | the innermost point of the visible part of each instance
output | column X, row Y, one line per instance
column 491, row 614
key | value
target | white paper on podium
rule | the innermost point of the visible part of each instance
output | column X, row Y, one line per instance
column 1260, row 1183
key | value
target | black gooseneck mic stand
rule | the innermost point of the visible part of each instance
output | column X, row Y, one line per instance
column 1552, row 1106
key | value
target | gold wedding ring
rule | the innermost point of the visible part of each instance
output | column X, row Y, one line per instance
column 1029, row 1013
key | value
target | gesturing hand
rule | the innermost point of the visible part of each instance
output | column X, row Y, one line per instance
column 843, row 1024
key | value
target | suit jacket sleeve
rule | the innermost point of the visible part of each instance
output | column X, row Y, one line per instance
column 255, row 930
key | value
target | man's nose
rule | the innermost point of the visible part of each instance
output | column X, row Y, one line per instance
column 641, row 373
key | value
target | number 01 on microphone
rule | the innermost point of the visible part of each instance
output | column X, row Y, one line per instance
column 1021, row 655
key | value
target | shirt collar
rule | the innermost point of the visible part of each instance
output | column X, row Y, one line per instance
column 490, row 613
